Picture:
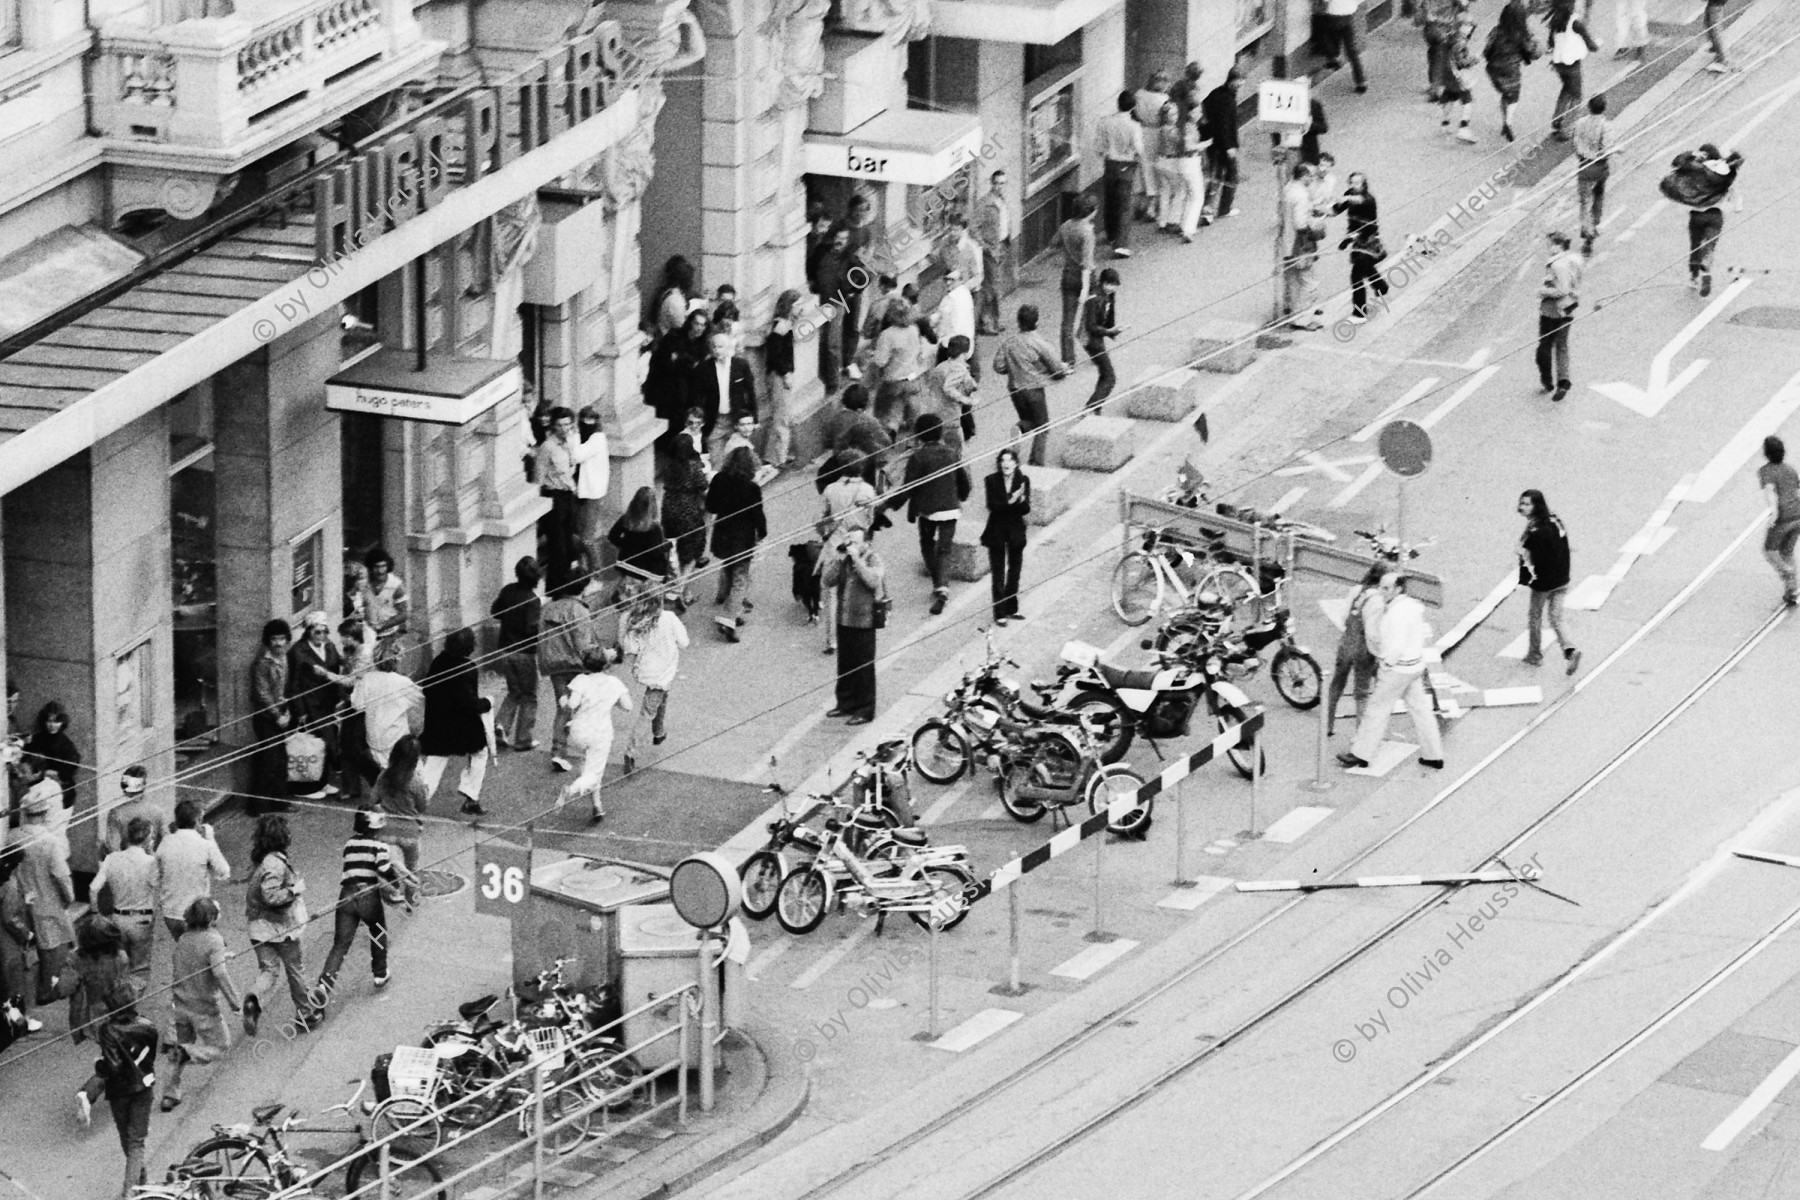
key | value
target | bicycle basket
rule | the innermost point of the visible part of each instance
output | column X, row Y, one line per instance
column 413, row 1072
column 548, row 1045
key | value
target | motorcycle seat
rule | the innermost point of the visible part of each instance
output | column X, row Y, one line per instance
column 910, row 837
column 1120, row 678
column 1037, row 712
column 474, row 1008
column 266, row 1113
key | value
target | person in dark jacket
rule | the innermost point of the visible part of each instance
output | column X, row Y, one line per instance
column 854, row 432
column 1509, row 47
column 1008, row 492
column 933, row 490
column 1362, row 238
column 1701, row 180
column 640, row 546
column 1219, row 117
column 860, row 578
column 671, row 365
column 454, row 707
column 1544, row 568
column 778, row 366
column 51, row 743
column 1316, row 127
column 317, row 689
column 519, row 610
column 270, row 720
column 720, row 384
column 735, row 501
column 126, row 1073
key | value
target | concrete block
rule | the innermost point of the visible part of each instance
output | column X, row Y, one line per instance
column 1171, row 396
column 1052, row 490
column 968, row 561
column 1099, row 444
column 1224, row 347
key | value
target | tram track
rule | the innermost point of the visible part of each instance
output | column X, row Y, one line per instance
column 1122, row 1014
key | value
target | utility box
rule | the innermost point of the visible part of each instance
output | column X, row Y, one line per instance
column 574, row 914
column 657, row 951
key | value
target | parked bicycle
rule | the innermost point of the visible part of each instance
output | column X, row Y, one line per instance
column 930, row 884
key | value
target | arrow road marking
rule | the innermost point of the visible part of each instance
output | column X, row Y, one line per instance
column 1334, row 470
column 1651, row 400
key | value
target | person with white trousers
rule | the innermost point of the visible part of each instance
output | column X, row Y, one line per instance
column 1631, row 28
column 590, row 701
column 1400, row 648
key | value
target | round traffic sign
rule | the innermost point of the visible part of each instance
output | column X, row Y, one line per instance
column 705, row 890
column 1405, row 448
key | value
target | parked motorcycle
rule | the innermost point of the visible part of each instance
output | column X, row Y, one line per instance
column 1206, row 628
column 1158, row 702
column 977, row 718
column 927, row 883
column 791, row 842
column 1058, row 765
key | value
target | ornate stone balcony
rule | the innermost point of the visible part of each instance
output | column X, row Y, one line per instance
column 205, row 96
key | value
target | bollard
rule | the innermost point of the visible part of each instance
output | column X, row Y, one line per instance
column 387, row 1168
column 709, row 1021
column 931, row 1030
column 681, row 1082
column 1181, row 879
column 1256, row 762
column 1012, row 908
column 1320, row 783
column 537, row 1149
column 1099, row 934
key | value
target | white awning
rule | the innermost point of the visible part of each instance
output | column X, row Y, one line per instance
column 1027, row 22
column 908, row 145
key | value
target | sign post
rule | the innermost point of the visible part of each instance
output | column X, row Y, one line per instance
column 707, row 893
column 1405, row 448
column 1285, row 106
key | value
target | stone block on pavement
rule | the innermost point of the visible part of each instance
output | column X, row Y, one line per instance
column 1052, row 490
column 968, row 560
column 1099, row 444
column 1170, row 396
column 1225, row 347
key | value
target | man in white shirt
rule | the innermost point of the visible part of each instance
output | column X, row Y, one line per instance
column 132, row 874
column 392, row 707
column 1121, row 143
column 1400, row 648
column 187, row 864
column 955, row 315
column 593, row 474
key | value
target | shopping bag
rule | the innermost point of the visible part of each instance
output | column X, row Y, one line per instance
column 306, row 758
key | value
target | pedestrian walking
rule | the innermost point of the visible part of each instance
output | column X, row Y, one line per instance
column 1715, row 36
column 859, row 577
column 1400, row 648
column 934, row 488
column 1337, row 24
column 270, row 720
column 132, row 782
column 900, row 358
column 1362, row 238
column 125, row 1073
column 778, row 368
column 520, row 613
column 188, row 863
column 1780, row 484
column 1458, row 94
column 1029, row 364
column 368, row 869
column 954, row 318
column 1702, row 181
column 1075, row 242
column 593, row 478
column 1593, row 151
column 1219, row 117
column 566, row 646
column 1100, row 323
column 202, row 981
column 721, row 385
column 556, row 483
column 392, row 706
column 454, row 728
column 1121, row 143
column 1558, row 297
column 400, row 793
column 994, row 230
column 1301, row 232
column 275, row 910
column 1631, row 28
column 671, row 368
column 590, row 701
column 952, row 390
column 828, row 274
column 1355, row 663
column 317, row 685
column 655, row 638
column 1008, row 494
column 685, row 480
column 49, row 892
column 1570, row 43
column 100, row 967
column 1317, row 126
column 1510, row 47
column 1147, row 112
column 1437, row 23
column 739, row 525
column 1544, row 568
column 128, row 878
column 641, row 551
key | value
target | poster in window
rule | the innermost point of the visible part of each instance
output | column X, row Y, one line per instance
column 1252, row 15
column 307, row 553
column 1049, row 135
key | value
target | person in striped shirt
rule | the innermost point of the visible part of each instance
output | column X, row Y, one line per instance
column 368, row 868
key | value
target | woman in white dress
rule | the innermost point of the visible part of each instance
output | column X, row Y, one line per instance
column 590, row 702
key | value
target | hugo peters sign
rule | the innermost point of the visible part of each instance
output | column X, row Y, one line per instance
column 383, row 187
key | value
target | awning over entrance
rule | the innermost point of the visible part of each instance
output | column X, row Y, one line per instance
column 899, row 146
column 1028, row 22
column 449, row 391
column 57, row 269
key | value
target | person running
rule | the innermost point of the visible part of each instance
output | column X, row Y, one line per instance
column 454, row 707
column 1570, row 43
column 590, row 701
column 1701, row 181
column 1400, row 647
column 655, row 638
column 275, row 910
column 129, row 875
column 1544, row 568
column 368, row 868
column 202, row 972
column 1510, row 47
column 402, row 795
column 1557, row 298
column 125, row 1073
column 1781, row 484
column 519, row 610
column 1355, row 660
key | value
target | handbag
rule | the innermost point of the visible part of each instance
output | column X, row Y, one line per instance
column 306, row 758
column 878, row 609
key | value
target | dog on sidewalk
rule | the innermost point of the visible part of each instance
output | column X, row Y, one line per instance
column 805, row 556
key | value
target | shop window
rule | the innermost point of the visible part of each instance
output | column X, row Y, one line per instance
column 306, row 590
column 193, row 551
column 1050, row 134
column 134, row 677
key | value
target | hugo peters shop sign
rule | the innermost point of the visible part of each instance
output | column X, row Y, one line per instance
column 383, row 187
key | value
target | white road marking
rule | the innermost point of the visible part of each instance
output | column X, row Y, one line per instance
column 1094, row 959
column 1131, row 636
column 1295, row 825
column 1476, row 615
column 1507, row 697
column 1355, row 488
column 1595, row 590
column 1754, row 1103
column 992, row 812
column 982, row 1025
column 832, row 957
column 1187, row 899
column 1479, row 359
column 1389, row 756
column 1658, row 538
column 1290, row 498
column 754, row 969
column 1661, row 388
column 760, row 772
column 1412, row 395
column 1745, row 442
column 1337, row 611
column 1649, row 215
column 1312, row 461
column 1516, row 648
column 936, row 812
column 1469, row 388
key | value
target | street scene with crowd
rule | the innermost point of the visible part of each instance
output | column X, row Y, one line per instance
column 1447, row 372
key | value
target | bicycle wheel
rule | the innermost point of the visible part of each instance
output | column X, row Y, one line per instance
column 244, row 1169
column 1233, row 585
column 1297, row 677
column 408, row 1178
column 1013, row 782
column 566, row 1110
column 940, row 751
column 761, row 874
column 949, row 897
column 604, row 1071
column 801, row 903
column 1137, row 588
column 1114, row 782
column 423, row 1123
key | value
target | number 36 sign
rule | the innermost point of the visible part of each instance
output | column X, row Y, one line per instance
column 502, row 878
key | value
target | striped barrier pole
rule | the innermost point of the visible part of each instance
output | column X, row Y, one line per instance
column 1384, row 881
column 1769, row 856
column 1008, row 873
